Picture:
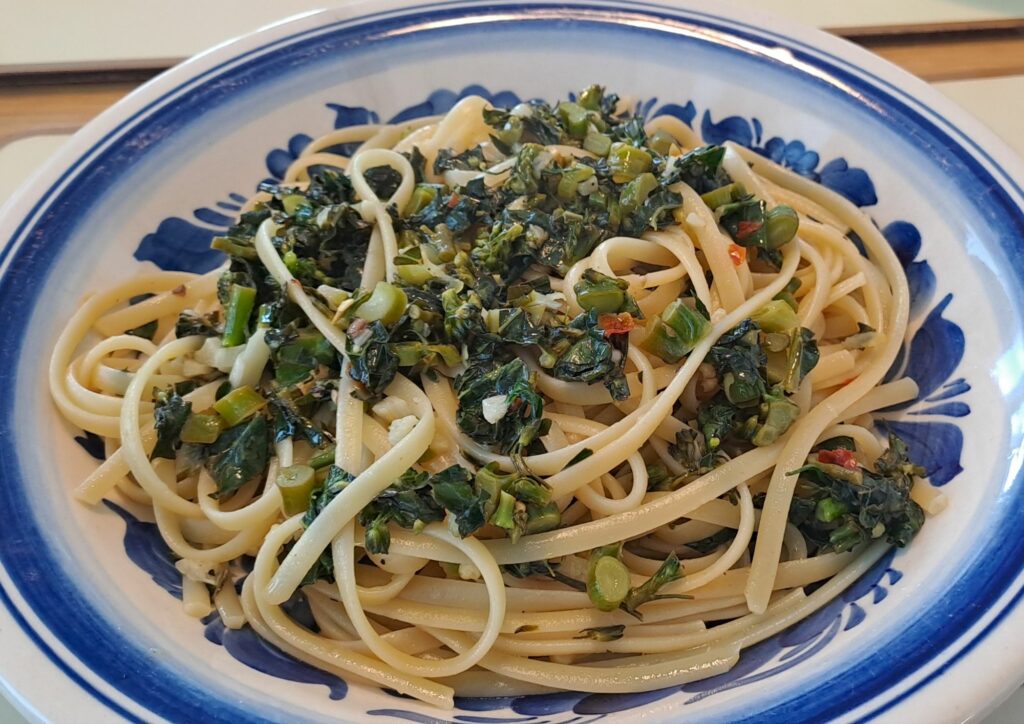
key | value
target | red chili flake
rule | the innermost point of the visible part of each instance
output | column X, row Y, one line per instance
column 840, row 457
column 616, row 323
column 179, row 291
column 746, row 229
column 737, row 253
column 453, row 201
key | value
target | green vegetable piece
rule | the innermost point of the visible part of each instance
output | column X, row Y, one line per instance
column 202, row 429
column 801, row 358
column 591, row 97
column 600, row 292
column 627, row 162
column 603, row 633
column 636, row 192
column 542, row 518
column 296, row 483
column 415, row 274
column 779, row 413
column 787, row 294
column 608, row 582
column 829, row 510
column 597, row 143
column 377, row 537
column 422, row 197
column 776, row 316
column 663, row 341
column 724, row 195
column 676, row 331
column 669, row 571
column 322, row 459
column 387, row 304
column 239, row 404
column 661, row 142
column 146, row 331
column 504, row 513
column 234, row 247
column 236, row 319
column 781, row 224
column 570, row 180
column 440, row 246
column 575, row 118
column 293, row 202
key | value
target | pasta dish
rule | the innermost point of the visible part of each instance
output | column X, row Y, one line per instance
column 513, row 400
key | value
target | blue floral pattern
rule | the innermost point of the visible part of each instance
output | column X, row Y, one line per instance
column 931, row 357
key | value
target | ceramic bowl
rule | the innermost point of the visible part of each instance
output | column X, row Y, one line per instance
column 89, row 624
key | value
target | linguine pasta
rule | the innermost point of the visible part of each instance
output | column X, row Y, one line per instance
column 515, row 400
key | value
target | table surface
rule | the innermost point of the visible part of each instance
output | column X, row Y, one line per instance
column 985, row 38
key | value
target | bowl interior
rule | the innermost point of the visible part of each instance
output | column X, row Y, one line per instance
column 186, row 152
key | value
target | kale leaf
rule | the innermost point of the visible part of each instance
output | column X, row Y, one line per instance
column 373, row 364
column 239, row 454
column 523, row 420
column 469, row 504
column 168, row 418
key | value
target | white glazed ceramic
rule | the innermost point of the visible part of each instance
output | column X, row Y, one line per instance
column 89, row 627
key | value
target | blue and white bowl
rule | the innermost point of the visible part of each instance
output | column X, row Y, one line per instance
column 89, row 626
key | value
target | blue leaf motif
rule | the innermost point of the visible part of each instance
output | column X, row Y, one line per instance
column 546, row 704
column 145, row 547
column 246, row 646
column 870, row 580
column 180, row 245
column 279, row 159
column 483, row 703
column 935, row 350
column 950, row 389
column 345, row 116
column 792, row 155
column 921, row 283
column 949, row 409
column 732, row 128
column 686, row 113
column 92, row 444
column 905, row 240
column 857, row 616
column 812, row 626
column 853, row 183
column 611, row 703
column 214, row 218
column 751, row 660
column 934, row 445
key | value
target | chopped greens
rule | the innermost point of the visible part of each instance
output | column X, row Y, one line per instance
column 839, row 504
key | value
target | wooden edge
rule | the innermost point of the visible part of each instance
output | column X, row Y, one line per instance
column 859, row 32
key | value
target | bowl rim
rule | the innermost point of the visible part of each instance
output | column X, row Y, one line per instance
column 17, row 217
